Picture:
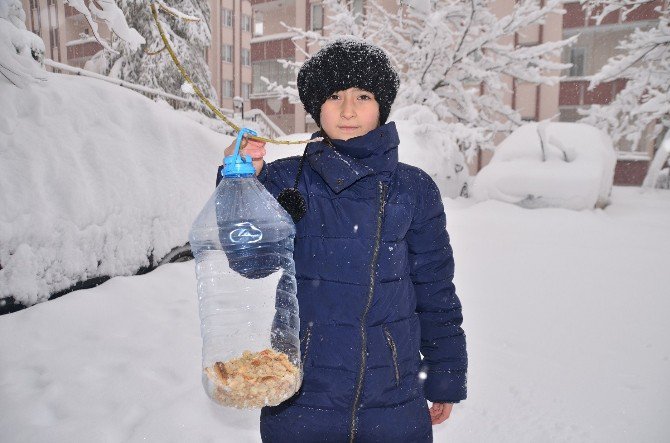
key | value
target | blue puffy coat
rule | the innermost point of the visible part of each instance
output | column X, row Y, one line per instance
column 374, row 270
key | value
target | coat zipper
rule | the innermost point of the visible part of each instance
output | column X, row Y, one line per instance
column 373, row 265
column 306, row 338
column 394, row 354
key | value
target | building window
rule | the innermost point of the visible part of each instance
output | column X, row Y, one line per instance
column 577, row 58
column 246, row 23
column 316, row 17
column 273, row 71
column 227, row 88
column 227, row 53
column 246, row 87
column 227, row 18
column 258, row 23
column 246, row 57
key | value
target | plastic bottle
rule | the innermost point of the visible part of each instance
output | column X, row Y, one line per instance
column 242, row 242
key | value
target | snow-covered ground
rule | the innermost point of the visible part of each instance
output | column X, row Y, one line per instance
column 565, row 312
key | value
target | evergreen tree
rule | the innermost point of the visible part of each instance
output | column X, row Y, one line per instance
column 187, row 28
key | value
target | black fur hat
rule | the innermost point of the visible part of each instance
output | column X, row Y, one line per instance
column 344, row 64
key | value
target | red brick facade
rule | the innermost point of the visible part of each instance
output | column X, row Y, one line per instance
column 83, row 50
column 575, row 16
column 577, row 93
column 630, row 172
column 261, row 103
column 272, row 50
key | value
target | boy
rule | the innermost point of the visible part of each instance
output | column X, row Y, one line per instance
column 374, row 267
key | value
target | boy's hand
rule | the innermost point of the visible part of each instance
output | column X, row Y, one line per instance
column 439, row 412
column 253, row 148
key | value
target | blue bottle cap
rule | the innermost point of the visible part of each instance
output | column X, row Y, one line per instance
column 235, row 165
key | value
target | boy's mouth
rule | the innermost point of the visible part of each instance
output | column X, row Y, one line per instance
column 347, row 128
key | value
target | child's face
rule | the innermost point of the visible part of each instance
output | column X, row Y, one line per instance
column 349, row 113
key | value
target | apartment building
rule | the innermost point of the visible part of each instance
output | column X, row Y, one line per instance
column 271, row 41
column 229, row 56
column 595, row 45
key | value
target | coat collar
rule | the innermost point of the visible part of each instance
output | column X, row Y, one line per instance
column 346, row 162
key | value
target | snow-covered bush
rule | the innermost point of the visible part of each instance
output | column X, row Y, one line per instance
column 424, row 143
column 96, row 180
column 568, row 165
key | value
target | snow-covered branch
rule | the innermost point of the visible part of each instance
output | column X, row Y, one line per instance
column 641, row 111
column 111, row 14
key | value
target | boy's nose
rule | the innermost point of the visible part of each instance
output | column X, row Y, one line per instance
column 347, row 109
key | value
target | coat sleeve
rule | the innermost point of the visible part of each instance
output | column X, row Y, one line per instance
column 438, row 307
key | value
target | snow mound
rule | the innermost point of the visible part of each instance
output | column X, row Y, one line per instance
column 96, row 181
column 425, row 144
column 567, row 165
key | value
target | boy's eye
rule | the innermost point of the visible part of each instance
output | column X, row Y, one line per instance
column 365, row 97
column 334, row 97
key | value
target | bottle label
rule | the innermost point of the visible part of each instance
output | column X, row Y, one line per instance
column 245, row 233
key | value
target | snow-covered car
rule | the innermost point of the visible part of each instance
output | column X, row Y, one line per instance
column 96, row 180
column 567, row 165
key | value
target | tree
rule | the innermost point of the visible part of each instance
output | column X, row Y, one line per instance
column 453, row 57
column 643, row 106
column 185, row 22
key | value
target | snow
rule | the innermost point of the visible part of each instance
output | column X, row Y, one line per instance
column 94, row 178
column 424, row 143
column 567, row 336
column 568, row 165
